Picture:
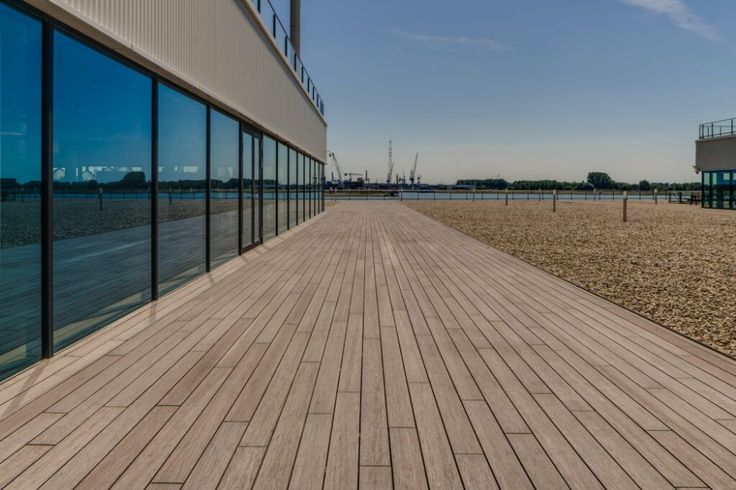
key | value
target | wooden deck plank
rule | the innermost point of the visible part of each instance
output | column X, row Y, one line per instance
column 373, row 347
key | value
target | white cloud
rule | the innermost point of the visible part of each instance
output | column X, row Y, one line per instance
column 679, row 14
column 484, row 42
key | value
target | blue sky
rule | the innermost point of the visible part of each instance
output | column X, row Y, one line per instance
column 521, row 89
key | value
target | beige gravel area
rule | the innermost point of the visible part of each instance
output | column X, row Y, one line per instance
column 675, row 264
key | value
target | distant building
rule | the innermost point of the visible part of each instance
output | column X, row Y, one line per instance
column 715, row 159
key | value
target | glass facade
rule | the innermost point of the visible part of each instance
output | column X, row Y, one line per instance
column 20, row 190
column 102, row 189
column 248, row 190
column 258, row 190
column 292, row 188
column 269, row 188
column 224, row 174
column 283, row 188
column 302, row 188
column 182, row 159
column 112, row 213
column 719, row 189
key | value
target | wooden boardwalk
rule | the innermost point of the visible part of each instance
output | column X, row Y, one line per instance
column 373, row 347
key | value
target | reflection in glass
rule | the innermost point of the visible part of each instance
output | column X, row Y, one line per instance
column 292, row 188
column 20, row 187
column 248, row 191
column 707, row 197
column 102, row 192
column 224, row 187
column 304, row 175
column 269, row 188
column 283, row 176
column 310, row 189
column 257, row 191
column 182, row 153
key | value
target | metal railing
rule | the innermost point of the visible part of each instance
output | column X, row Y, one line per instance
column 724, row 127
column 281, row 37
column 510, row 195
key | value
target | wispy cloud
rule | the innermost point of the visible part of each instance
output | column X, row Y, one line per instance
column 680, row 14
column 434, row 40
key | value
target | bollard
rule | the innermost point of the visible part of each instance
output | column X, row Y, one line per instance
column 99, row 192
column 507, row 196
column 554, row 201
column 540, row 195
column 626, row 201
column 655, row 197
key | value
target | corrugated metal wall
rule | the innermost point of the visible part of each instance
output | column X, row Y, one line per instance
column 214, row 45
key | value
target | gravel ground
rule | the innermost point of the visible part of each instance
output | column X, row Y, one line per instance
column 675, row 264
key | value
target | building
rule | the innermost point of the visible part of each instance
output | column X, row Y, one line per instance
column 144, row 144
column 715, row 159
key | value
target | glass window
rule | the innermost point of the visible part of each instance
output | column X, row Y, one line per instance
column 224, row 147
column 721, row 189
column 706, row 190
column 102, row 190
column 20, row 191
column 316, row 188
column 248, row 190
column 308, row 186
column 182, row 147
column 283, row 177
column 258, row 191
column 321, row 187
column 269, row 188
column 303, row 186
column 292, row 188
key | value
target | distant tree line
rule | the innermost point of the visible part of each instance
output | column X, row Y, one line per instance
column 595, row 181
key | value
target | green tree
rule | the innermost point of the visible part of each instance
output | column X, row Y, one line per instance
column 601, row 180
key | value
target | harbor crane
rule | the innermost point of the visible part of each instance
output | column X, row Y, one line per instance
column 390, row 163
column 413, row 173
column 337, row 166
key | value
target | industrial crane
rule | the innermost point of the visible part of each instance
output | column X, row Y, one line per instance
column 390, row 163
column 337, row 167
column 413, row 173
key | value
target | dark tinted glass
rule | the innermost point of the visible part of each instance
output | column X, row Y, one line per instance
column 102, row 192
column 224, row 187
column 305, row 187
column 300, row 205
column 20, row 185
column 269, row 188
column 283, row 177
column 310, row 190
column 182, row 146
column 292, row 188
column 248, row 190
column 257, row 191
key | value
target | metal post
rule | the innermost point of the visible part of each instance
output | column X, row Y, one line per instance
column 655, row 196
column 626, row 201
column 554, row 201
column 47, row 192
column 507, row 196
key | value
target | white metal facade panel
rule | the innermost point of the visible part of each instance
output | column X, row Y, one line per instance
column 217, row 46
